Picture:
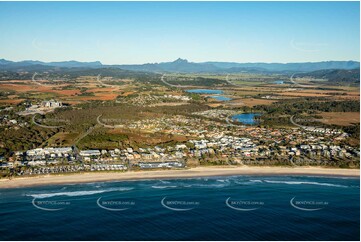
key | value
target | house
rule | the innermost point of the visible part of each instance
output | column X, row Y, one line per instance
column 88, row 153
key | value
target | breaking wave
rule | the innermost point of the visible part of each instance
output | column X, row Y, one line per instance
column 163, row 187
column 78, row 193
column 304, row 183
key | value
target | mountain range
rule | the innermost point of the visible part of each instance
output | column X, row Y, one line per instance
column 184, row 66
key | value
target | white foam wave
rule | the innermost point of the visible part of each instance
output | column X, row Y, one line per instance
column 211, row 185
column 250, row 182
column 77, row 193
column 304, row 182
column 163, row 187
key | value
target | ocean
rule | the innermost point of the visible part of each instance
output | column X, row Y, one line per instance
column 212, row 208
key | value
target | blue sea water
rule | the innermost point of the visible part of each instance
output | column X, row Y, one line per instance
column 213, row 208
column 246, row 118
column 205, row 91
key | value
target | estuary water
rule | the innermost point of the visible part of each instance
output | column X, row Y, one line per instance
column 205, row 91
column 213, row 208
column 246, row 118
column 221, row 98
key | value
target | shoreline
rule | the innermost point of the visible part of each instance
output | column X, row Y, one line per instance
column 172, row 174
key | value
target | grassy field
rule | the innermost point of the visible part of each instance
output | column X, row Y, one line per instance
column 340, row 118
column 61, row 139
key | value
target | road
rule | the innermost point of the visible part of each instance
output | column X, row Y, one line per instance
column 297, row 84
column 38, row 83
column 75, row 148
column 44, row 126
column 33, row 78
column 301, row 126
column 103, row 84
column 167, row 83
column 107, row 125
column 231, row 83
column 89, row 130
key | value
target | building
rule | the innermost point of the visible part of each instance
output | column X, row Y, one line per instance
column 88, row 153
column 51, row 104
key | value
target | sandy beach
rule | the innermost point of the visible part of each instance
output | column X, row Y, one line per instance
column 187, row 173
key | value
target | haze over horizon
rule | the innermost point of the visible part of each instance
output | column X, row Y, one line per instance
column 148, row 32
column 178, row 59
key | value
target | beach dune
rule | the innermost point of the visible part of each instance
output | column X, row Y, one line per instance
column 186, row 173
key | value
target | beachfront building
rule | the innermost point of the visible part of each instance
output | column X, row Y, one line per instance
column 50, row 151
column 89, row 153
column 154, row 165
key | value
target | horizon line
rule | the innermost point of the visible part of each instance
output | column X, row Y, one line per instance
column 210, row 61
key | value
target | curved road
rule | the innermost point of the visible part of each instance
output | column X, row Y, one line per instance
column 45, row 126
column 167, row 83
column 102, row 83
column 301, row 126
column 107, row 125
column 33, row 79
column 296, row 83
column 231, row 83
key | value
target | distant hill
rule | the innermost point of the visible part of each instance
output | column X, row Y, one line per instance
column 184, row 66
column 30, row 64
column 336, row 76
column 179, row 65
column 279, row 67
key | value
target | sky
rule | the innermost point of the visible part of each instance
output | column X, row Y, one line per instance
column 148, row 32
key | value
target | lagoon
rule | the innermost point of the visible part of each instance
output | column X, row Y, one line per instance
column 246, row 118
column 205, row 91
column 221, row 98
